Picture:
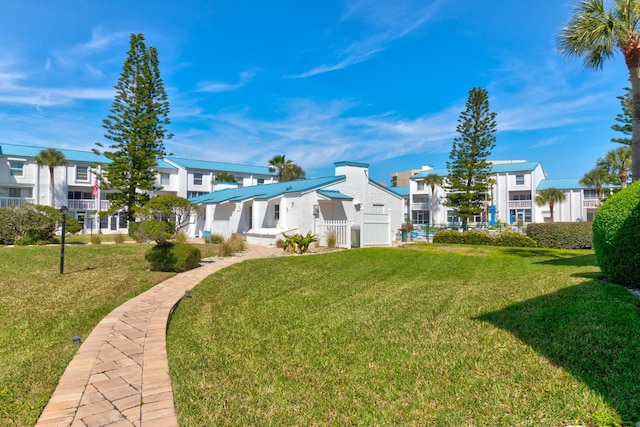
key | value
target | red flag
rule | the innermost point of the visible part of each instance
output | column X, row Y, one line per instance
column 96, row 188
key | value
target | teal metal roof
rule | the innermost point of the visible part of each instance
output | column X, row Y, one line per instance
column 164, row 165
column 500, row 168
column 220, row 167
column 71, row 155
column 561, row 184
column 347, row 163
column 266, row 191
column 401, row 191
column 334, row 195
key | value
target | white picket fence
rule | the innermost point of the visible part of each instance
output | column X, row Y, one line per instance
column 341, row 230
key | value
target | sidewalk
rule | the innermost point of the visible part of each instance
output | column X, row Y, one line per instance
column 120, row 374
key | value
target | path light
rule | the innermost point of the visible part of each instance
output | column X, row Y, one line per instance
column 76, row 339
column 63, row 210
column 187, row 293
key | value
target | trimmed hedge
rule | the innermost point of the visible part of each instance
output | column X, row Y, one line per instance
column 616, row 236
column 176, row 257
column 475, row 237
column 562, row 235
column 514, row 239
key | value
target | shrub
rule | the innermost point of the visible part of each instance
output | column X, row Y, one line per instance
column 447, row 236
column 72, row 226
column 562, row 235
column 217, row 239
column 96, row 239
column 181, row 237
column 118, row 238
column 153, row 229
column 232, row 245
column 616, row 236
column 29, row 224
column 469, row 237
column 514, row 239
column 297, row 243
column 176, row 257
column 332, row 239
column 476, row 237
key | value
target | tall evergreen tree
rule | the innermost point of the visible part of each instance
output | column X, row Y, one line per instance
column 624, row 119
column 468, row 167
column 136, row 127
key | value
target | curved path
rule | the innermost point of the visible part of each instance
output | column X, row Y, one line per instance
column 120, row 374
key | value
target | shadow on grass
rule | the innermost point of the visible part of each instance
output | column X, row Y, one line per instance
column 591, row 330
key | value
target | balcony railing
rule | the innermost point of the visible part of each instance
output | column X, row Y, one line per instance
column 592, row 203
column 515, row 204
column 15, row 201
column 420, row 206
column 87, row 205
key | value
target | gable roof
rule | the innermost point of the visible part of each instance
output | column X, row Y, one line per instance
column 334, row 195
column 220, row 166
column 266, row 191
column 561, row 184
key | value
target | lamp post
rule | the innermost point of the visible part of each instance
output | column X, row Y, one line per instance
column 63, row 211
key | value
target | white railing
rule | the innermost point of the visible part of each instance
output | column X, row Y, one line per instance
column 590, row 203
column 15, row 201
column 513, row 204
column 87, row 205
column 420, row 206
column 340, row 229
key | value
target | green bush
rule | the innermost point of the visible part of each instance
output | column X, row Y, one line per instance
column 469, row 237
column 96, row 239
column 28, row 224
column 153, row 229
column 72, row 226
column 176, row 257
column 616, row 236
column 118, row 238
column 514, row 239
column 562, row 235
column 447, row 236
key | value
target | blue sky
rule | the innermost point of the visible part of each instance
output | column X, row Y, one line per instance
column 375, row 81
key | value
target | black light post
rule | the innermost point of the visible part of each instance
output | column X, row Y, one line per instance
column 63, row 211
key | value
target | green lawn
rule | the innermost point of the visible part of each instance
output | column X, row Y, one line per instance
column 437, row 336
column 40, row 311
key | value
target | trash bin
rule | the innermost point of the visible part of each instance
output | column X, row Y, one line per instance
column 405, row 234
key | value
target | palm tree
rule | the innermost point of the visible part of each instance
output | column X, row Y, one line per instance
column 432, row 180
column 618, row 162
column 595, row 34
column 293, row 172
column 280, row 164
column 51, row 158
column 594, row 179
column 550, row 196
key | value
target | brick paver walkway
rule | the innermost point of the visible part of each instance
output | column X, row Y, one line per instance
column 120, row 374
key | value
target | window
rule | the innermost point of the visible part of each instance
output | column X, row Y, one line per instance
column 420, row 185
column 520, row 196
column 519, row 179
column 165, row 178
column 197, row 179
column 276, row 212
column 82, row 173
column 16, row 168
column 15, row 192
column 260, row 181
column 79, row 195
column 192, row 194
column 590, row 194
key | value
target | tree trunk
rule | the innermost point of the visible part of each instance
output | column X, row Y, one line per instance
column 634, row 74
column 551, row 210
column 52, row 187
column 623, row 178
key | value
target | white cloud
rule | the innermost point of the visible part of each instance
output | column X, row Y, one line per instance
column 244, row 78
column 387, row 21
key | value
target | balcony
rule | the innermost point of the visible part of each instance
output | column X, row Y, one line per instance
column 15, row 201
column 87, row 205
column 420, row 206
column 519, row 204
column 591, row 203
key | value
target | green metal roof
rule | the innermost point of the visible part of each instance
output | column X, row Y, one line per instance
column 266, row 191
column 221, row 167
